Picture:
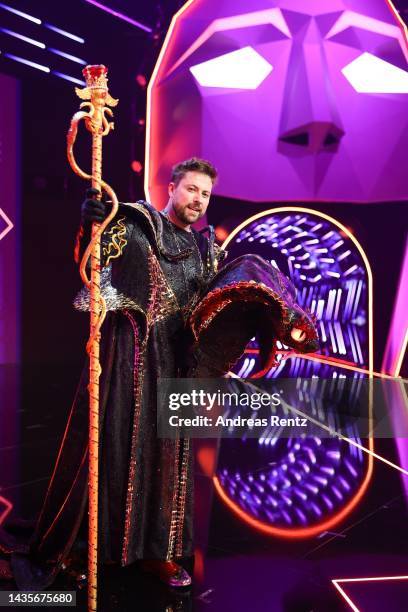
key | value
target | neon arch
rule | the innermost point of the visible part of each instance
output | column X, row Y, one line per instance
column 339, row 515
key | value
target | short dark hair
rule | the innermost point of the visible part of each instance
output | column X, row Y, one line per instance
column 195, row 164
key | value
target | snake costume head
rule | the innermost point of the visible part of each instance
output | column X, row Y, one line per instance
column 248, row 299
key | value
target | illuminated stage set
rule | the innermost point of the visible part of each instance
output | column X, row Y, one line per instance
column 302, row 106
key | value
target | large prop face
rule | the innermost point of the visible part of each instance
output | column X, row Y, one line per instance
column 290, row 99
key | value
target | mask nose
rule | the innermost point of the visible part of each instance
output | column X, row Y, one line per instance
column 311, row 138
column 310, row 120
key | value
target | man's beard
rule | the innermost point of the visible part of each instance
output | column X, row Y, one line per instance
column 182, row 216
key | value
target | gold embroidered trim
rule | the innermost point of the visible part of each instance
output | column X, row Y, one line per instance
column 117, row 243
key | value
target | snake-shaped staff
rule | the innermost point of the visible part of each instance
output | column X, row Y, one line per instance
column 96, row 91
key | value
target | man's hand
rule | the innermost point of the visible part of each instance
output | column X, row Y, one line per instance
column 93, row 210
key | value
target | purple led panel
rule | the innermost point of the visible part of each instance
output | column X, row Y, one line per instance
column 292, row 482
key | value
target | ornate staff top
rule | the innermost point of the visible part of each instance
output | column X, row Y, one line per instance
column 97, row 100
column 96, row 85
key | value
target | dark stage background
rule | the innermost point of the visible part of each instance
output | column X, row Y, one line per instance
column 52, row 335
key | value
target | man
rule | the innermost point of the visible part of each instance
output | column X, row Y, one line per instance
column 151, row 281
column 169, row 315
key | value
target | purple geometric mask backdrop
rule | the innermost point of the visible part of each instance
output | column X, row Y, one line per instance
column 290, row 99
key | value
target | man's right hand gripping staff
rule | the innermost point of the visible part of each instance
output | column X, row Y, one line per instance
column 92, row 209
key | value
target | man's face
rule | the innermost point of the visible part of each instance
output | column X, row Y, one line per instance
column 190, row 197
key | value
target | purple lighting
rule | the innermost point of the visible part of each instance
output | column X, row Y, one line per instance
column 64, row 33
column 119, row 15
column 68, row 78
column 302, row 486
column 241, row 69
column 370, row 74
column 20, row 13
column 22, row 60
column 24, row 38
column 68, row 56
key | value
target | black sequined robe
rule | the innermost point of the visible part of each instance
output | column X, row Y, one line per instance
column 153, row 277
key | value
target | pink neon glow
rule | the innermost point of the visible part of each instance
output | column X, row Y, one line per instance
column 370, row 74
column 119, row 15
column 396, row 346
column 241, row 69
column 371, row 579
column 350, row 602
column 9, row 225
column 8, row 508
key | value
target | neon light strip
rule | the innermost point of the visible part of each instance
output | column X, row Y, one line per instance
column 27, row 62
column 346, row 597
column 334, row 361
column 8, row 509
column 149, row 93
column 8, row 222
column 68, row 56
column 371, row 579
column 111, row 11
column 64, row 33
column 336, row 581
column 20, row 13
column 68, row 78
column 398, row 17
column 401, row 355
column 24, row 38
column 346, row 231
column 397, row 336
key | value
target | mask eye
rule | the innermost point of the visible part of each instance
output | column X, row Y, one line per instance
column 241, row 69
column 298, row 335
column 370, row 74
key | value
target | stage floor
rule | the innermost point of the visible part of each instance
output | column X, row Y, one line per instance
column 236, row 567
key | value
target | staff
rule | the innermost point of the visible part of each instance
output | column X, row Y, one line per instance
column 97, row 100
